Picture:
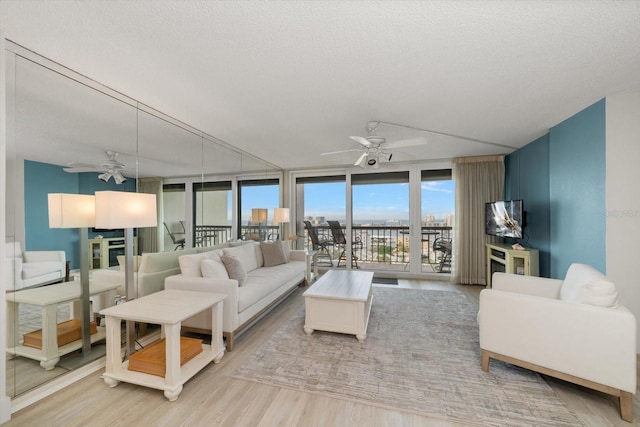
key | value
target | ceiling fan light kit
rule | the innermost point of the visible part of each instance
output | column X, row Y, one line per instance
column 110, row 168
column 376, row 148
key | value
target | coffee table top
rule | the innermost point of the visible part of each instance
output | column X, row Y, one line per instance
column 168, row 306
column 342, row 284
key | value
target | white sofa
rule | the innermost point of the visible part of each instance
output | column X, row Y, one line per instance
column 248, row 297
column 573, row 329
column 32, row 268
column 150, row 270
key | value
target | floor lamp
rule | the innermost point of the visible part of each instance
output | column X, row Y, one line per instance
column 126, row 210
column 281, row 217
column 77, row 211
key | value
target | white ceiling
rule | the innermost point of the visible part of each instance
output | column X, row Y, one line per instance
column 289, row 80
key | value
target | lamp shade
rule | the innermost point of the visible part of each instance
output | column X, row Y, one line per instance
column 281, row 215
column 259, row 215
column 123, row 209
column 71, row 210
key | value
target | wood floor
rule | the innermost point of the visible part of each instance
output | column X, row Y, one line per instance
column 213, row 398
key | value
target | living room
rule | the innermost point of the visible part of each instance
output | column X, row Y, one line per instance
column 572, row 168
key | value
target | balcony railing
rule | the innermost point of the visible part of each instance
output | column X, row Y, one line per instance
column 380, row 247
column 387, row 247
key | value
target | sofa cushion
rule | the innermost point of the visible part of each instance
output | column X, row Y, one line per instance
column 246, row 254
column 158, row 261
column 190, row 264
column 214, row 268
column 584, row 284
column 136, row 262
column 263, row 281
column 235, row 268
column 35, row 269
column 273, row 253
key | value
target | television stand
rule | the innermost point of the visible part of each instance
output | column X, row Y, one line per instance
column 503, row 258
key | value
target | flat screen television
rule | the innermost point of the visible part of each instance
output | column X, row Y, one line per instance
column 504, row 218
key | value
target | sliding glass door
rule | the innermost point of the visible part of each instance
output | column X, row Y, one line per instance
column 212, row 213
column 397, row 222
column 380, row 225
column 437, row 216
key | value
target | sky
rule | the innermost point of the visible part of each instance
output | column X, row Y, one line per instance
column 380, row 202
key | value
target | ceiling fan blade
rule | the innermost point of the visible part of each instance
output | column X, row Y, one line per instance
column 78, row 169
column 341, row 151
column 361, row 140
column 406, row 143
column 361, row 159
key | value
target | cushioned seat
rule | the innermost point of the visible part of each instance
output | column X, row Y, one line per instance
column 574, row 329
column 33, row 268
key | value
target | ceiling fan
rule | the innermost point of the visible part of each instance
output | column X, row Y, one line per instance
column 109, row 168
column 375, row 148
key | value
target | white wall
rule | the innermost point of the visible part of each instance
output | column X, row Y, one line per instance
column 623, row 203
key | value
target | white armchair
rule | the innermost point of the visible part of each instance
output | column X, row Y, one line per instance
column 573, row 329
column 31, row 268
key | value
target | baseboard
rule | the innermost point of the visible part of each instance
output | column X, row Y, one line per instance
column 55, row 385
column 5, row 409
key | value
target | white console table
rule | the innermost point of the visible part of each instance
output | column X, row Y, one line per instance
column 48, row 298
column 167, row 308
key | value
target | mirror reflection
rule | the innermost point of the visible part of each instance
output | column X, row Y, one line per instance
column 67, row 134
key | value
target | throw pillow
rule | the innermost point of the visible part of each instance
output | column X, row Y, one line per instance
column 246, row 254
column 234, row 268
column 584, row 284
column 213, row 268
column 273, row 253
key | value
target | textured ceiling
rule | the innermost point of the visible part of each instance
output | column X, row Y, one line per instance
column 289, row 80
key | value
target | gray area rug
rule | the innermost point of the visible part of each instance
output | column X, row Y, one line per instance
column 421, row 355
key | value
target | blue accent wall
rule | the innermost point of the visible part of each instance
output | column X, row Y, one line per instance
column 561, row 178
column 577, row 173
column 527, row 178
column 40, row 179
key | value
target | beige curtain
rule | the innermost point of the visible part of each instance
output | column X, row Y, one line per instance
column 149, row 238
column 478, row 180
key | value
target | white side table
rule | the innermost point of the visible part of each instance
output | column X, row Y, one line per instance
column 167, row 308
column 48, row 298
column 312, row 266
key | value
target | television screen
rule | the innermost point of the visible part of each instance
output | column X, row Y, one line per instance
column 504, row 218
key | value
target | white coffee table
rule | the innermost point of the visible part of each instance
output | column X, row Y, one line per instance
column 167, row 308
column 340, row 301
column 47, row 298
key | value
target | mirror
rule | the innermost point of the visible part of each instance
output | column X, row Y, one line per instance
column 56, row 117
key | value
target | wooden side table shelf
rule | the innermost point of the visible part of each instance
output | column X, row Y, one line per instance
column 48, row 298
column 167, row 308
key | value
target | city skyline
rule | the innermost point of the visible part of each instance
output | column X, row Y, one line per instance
column 371, row 202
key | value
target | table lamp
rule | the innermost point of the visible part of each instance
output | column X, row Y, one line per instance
column 281, row 217
column 127, row 210
column 259, row 216
column 77, row 211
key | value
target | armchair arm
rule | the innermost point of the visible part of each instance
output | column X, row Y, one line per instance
column 590, row 342
column 43, row 256
column 529, row 285
column 229, row 287
column 297, row 255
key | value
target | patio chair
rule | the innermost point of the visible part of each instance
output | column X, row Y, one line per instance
column 175, row 237
column 340, row 242
column 443, row 246
column 319, row 245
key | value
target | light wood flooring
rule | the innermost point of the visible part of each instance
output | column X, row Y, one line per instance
column 213, row 398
